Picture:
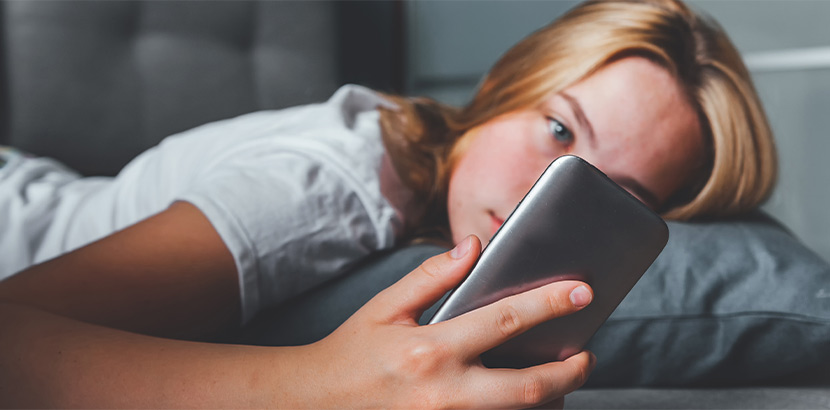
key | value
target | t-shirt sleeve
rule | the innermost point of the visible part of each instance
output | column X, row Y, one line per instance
column 289, row 220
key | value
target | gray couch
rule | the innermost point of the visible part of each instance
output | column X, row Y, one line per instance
column 94, row 83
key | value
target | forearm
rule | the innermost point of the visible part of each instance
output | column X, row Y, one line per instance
column 169, row 275
column 379, row 358
column 51, row 361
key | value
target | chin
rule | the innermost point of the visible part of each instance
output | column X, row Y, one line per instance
column 484, row 242
column 484, row 237
column 481, row 228
column 458, row 237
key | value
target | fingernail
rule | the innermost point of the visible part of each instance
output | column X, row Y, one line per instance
column 581, row 296
column 462, row 249
column 593, row 360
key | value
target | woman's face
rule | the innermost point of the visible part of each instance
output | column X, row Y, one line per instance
column 630, row 119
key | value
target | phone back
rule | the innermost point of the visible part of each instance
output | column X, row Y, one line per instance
column 575, row 223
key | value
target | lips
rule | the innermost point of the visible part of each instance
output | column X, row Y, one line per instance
column 495, row 223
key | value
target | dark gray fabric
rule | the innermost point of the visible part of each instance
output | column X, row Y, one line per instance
column 94, row 83
column 735, row 398
column 313, row 315
column 726, row 303
column 733, row 303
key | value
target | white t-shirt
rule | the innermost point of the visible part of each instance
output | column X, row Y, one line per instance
column 294, row 194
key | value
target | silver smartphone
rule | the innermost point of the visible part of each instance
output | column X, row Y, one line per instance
column 575, row 223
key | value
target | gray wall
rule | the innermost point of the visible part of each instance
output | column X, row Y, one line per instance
column 787, row 47
column 452, row 43
column 786, row 44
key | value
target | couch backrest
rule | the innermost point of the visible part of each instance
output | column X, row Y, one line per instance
column 94, row 83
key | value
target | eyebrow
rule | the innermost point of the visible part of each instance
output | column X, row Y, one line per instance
column 580, row 116
column 645, row 195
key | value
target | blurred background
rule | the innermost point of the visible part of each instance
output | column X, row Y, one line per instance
column 786, row 44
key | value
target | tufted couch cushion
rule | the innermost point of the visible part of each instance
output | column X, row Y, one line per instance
column 94, row 83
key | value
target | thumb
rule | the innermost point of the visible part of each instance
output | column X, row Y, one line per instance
column 407, row 299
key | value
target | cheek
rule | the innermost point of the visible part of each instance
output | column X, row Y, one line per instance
column 493, row 172
column 456, row 209
column 470, row 183
column 490, row 179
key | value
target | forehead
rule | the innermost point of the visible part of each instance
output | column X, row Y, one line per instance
column 644, row 125
column 635, row 90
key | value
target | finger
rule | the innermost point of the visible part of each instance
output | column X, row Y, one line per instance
column 482, row 329
column 421, row 288
column 532, row 386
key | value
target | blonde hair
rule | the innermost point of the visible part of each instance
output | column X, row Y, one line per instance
column 739, row 171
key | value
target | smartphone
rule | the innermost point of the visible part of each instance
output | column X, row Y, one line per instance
column 574, row 223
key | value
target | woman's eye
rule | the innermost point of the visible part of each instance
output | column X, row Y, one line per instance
column 559, row 132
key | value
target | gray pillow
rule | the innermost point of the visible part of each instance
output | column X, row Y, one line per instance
column 311, row 316
column 727, row 303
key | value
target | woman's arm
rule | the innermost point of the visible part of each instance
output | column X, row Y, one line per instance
column 168, row 275
column 380, row 357
column 49, row 361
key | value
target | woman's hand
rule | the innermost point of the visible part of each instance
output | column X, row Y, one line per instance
column 381, row 357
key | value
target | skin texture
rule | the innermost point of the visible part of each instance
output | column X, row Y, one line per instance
column 169, row 275
column 630, row 119
column 60, row 355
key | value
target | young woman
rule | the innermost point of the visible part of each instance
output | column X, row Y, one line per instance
column 199, row 233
